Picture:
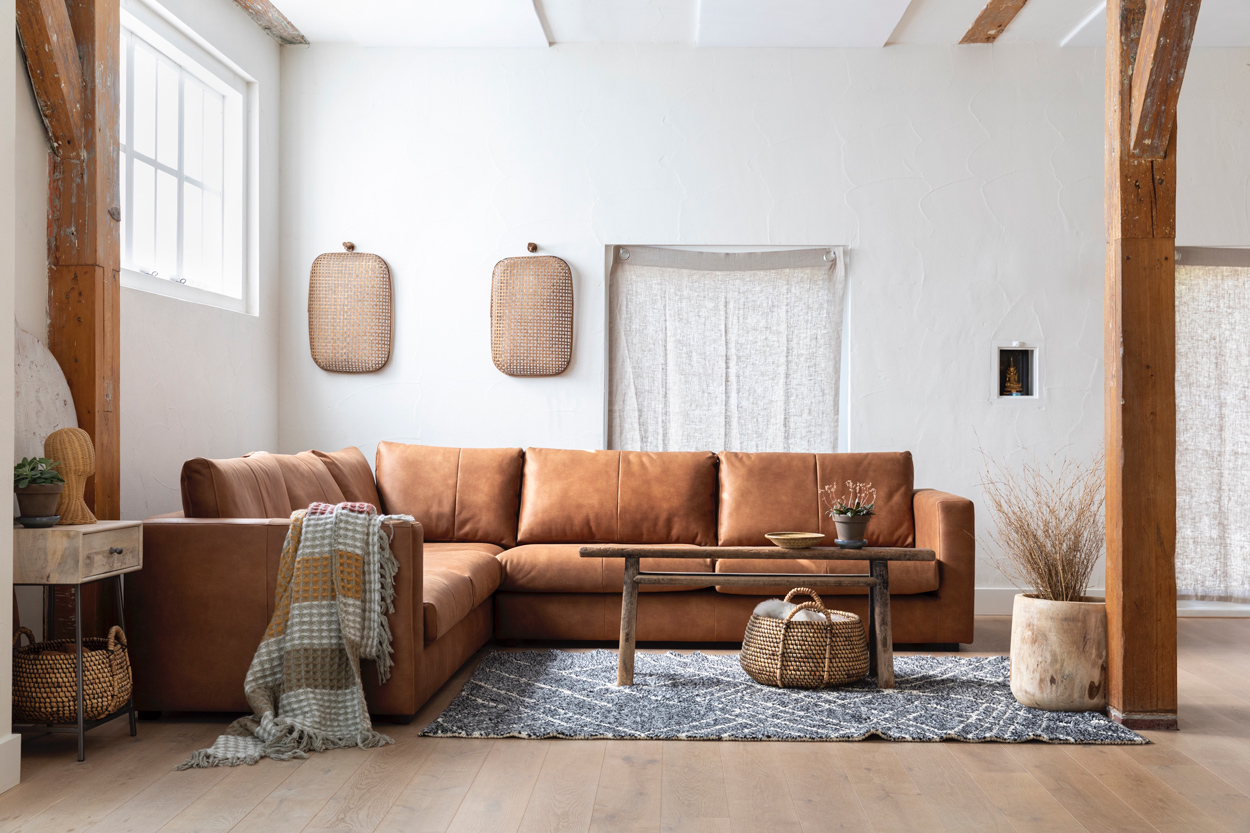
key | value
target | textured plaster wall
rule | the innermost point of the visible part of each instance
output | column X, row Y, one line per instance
column 10, row 744
column 31, row 183
column 195, row 381
column 966, row 181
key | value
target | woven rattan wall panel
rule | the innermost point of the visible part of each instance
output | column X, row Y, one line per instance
column 531, row 316
column 349, row 312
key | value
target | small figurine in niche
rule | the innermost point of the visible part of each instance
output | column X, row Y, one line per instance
column 73, row 447
column 1013, row 386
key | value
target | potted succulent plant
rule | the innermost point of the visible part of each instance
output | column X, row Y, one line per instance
column 37, row 486
column 850, row 512
column 1049, row 538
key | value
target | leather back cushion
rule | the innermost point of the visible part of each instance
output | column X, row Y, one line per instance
column 307, row 480
column 618, row 497
column 351, row 472
column 240, row 487
column 456, row 494
column 778, row 492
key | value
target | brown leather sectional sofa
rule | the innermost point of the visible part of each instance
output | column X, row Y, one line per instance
column 495, row 553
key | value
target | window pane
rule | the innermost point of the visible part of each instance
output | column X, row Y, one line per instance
column 192, row 235
column 127, row 220
column 213, row 141
column 166, row 224
column 145, row 101
column 193, row 130
column 167, row 114
column 212, row 240
column 143, row 252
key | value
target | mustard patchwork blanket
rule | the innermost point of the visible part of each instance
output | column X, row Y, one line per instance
column 336, row 583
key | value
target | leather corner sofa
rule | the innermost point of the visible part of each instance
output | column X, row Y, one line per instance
column 494, row 552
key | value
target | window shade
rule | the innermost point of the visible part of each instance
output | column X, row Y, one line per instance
column 724, row 351
column 1213, row 425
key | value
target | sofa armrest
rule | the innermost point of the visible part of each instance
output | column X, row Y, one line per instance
column 200, row 606
column 945, row 523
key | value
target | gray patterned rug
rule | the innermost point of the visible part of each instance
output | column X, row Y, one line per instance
column 559, row 694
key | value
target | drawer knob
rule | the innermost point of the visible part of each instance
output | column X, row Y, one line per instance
column 115, row 550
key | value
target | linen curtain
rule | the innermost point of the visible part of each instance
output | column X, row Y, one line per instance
column 1213, row 424
column 724, row 351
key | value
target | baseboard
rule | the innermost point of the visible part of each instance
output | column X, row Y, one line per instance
column 10, row 761
column 997, row 601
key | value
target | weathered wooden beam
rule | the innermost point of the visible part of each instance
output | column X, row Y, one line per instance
column 52, row 60
column 1139, row 400
column 85, row 251
column 272, row 21
column 1158, row 71
column 992, row 21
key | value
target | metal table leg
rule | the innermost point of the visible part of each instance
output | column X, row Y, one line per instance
column 78, row 669
column 121, row 621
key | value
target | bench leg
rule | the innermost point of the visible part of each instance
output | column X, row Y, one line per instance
column 881, row 624
column 629, row 624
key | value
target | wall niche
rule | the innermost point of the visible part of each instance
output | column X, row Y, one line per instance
column 1017, row 371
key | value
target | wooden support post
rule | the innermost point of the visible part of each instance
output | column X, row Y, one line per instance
column 84, row 243
column 1140, row 397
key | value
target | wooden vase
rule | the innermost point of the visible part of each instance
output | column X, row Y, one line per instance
column 1059, row 653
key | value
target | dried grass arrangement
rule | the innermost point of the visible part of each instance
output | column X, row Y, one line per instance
column 1049, row 524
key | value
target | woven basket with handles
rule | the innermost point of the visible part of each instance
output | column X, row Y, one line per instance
column 44, row 686
column 798, row 654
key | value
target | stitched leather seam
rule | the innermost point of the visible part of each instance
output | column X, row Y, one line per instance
column 455, row 498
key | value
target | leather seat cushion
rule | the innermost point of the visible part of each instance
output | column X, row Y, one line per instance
column 558, row 568
column 238, row 487
column 779, row 492
column 457, row 578
column 906, row 577
column 456, row 494
column 351, row 472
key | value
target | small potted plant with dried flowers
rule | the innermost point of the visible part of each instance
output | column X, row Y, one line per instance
column 850, row 512
column 37, row 485
column 1049, row 536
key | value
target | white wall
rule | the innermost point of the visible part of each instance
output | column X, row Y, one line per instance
column 10, row 744
column 966, row 180
column 195, row 380
column 198, row 381
column 31, row 182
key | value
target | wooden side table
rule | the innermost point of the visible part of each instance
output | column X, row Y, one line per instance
column 76, row 555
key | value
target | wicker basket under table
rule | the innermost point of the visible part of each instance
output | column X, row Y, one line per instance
column 790, row 653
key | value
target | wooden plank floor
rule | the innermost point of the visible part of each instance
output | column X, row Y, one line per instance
column 1197, row 779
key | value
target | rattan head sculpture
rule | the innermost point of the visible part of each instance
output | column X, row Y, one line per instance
column 73, row 448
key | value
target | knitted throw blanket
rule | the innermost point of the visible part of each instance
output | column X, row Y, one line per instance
column 336, row 583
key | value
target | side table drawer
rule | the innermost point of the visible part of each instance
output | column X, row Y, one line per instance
column 111, row 551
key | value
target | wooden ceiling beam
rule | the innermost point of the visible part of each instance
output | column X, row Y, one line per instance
column 274, row 22
column 992, row 21
column 1163, row 52
column 52, row 60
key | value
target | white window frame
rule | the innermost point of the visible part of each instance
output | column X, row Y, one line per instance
column 197, row 58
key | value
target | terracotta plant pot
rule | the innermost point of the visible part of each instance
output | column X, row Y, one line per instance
column 851, row 527
column 39, row 501
column 1059, row 653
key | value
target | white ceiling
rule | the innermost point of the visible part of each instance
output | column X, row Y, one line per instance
column 777, row 23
